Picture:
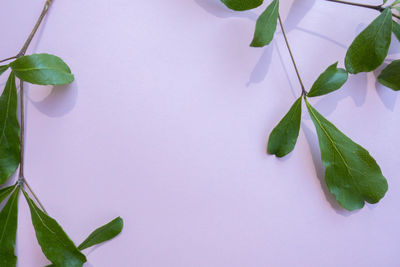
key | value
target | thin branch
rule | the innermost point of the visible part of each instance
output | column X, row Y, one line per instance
column 303, row 90
column 34, row 195
column 6, row 59
column 378, row 8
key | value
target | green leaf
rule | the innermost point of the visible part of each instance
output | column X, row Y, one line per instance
column 396, row 30
column 5, row 192
column 371, row 46
column 266, row 25
column 42, row 69
column 390, row 76
column 330, row 80
column 351, row 174
column 3, row 69
column 8, row 231
column 283, row 137
column 241, row 5
column 55, row 244
column 9, row 127
column 102, row 234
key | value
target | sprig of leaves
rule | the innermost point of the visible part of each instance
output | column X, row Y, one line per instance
column 352, row 175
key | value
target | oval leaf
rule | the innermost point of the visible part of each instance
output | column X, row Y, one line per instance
column 55, row 244
column 330, row 80
column 371, row 46
column 241, row 5
column 396, row 30
column 390, row 76
column 8, row 231
column 5, row 192
column 102, row 234
column 42, row 69
column 3, row 69
column 283, row 137
column 266, row 25
column 9, row 126
column 351, row 174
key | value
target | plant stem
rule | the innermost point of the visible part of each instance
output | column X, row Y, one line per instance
column 378, row 8
column 303, row 90
column 6, row 59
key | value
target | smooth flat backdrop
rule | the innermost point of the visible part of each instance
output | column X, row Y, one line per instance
column 166, row 125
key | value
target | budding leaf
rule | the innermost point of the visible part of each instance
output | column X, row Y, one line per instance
column 283, row 137
column 102, row 234
column 42, row 69
column 8, row 230
column 9, row 129
column 241, row 5
column 390, row 76
column 330, row 80
column 371, row 46
column 396, row 30
column 3, row 69
column 351, row 174
column 266, row 25
column 55, row 244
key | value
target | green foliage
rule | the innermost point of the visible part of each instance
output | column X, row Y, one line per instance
column 330, row 80
column 3, row 69
column 8, row 230
column 390, row 76
column 42, row 69
column 283, row 137
column 9, row 127
column 55, row 244
column 102, row 234
column 351, row 174
column 370, row 48
column 241, row 5
column 396, row 30
column 266, row 25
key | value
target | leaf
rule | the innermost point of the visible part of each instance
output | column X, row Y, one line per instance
column 390, row 76
column 102, row 234
column 351, row 174
column 241, row 5
column 9, row 130
column 283, row 137
column 8, row 231
column 5, row 192
column 330, row 80
column 55, row 244
column 396, row 30
column 3, row 69
column 266, row 25
column 371, row 46
column 42, row 69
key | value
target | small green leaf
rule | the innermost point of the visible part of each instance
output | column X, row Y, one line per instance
column 266, row 25
column 5, row 192
column 3, row 69
column 330, row 80
column 9, row 127
column 390, row 76
column 351, row 174
column 8, row 231
column 371, row 46
column 283, row 137
column 102, row 234
column 242, row 5
column 55, row 244
column 396, row 30
column 42, row 69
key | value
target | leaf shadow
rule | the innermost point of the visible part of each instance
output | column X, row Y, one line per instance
column 261, row 69
column 386, row 95
column 312, row 141
column 59, row 102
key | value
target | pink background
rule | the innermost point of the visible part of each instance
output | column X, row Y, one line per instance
column 166, row 125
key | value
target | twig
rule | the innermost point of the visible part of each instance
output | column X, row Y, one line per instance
column 378, row 8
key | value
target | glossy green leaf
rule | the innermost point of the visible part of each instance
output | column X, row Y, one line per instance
column 5, row 192
column 351, row 174
column 396, row 30
column 371, row 46
column 102, row 234
column 42, row 69
column 8, row 231
column 330, row 80
column 283, row 137
column 3, row 69
column 55, row 244
column 390, row 76
column 241, row 5
column 9, row 127
column 266, row 25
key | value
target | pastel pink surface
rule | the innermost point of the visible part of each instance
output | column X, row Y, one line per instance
column 166, row 126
